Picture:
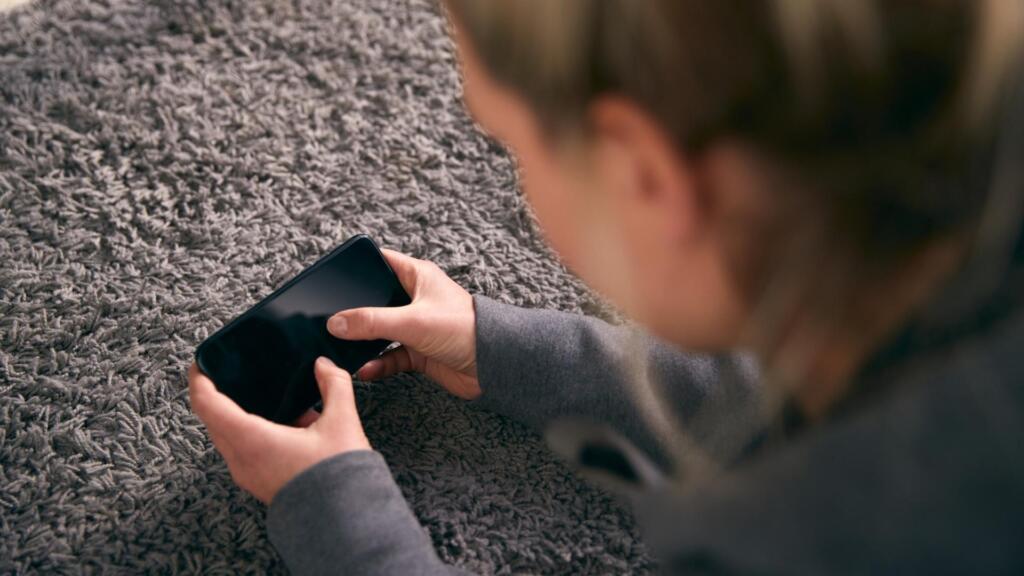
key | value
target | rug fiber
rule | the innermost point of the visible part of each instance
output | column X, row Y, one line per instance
column 163, row 165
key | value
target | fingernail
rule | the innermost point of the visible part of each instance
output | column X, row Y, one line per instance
column 336, row 325
column 324, row 362
column 367, row 367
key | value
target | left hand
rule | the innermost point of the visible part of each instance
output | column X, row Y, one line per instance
column 263, row 456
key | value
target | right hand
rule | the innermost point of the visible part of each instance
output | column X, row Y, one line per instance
column 437, row 331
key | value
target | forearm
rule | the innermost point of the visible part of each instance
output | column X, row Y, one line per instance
column 540, row 365
column 346, row 514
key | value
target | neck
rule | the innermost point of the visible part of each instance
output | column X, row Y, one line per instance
column 821, row 358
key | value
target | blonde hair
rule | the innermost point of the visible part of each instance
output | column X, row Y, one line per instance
column 882, row 112
column 877, row 109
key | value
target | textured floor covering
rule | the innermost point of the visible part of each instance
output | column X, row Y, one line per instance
column 162, row 166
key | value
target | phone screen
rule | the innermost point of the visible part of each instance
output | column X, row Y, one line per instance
column 263, row 359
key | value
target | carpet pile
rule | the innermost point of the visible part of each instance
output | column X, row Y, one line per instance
column 163, row 165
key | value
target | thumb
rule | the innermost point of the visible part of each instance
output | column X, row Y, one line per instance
column 336, row 391
column 398, row 324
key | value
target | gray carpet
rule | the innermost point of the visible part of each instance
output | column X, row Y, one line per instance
column 165, row 164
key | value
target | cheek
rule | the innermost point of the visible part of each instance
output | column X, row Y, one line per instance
column 585, row 232
column 647, row 258
column 552, row 196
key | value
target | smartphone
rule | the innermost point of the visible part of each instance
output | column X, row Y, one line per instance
column 263, row 359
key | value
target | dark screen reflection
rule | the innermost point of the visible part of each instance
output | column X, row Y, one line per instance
column 264, row 359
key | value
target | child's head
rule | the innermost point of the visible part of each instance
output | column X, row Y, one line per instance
column 699, row 161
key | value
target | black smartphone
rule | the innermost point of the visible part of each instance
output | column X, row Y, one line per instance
column 263, row 359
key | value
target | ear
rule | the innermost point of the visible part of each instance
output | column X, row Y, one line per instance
column 642, row 163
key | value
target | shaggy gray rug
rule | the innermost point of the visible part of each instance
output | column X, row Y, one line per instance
column 165, row 164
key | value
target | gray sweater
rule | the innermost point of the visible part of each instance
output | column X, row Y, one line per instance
column 921, row 471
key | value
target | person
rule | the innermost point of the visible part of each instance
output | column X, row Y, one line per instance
column 811, row 212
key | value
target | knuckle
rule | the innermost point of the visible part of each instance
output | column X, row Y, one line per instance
column 362, row 320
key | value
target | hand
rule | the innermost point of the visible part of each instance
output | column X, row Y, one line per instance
column 263, row 456
column 437, row 330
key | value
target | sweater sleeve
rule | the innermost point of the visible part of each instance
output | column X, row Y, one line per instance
column 538, row 366
column 347, row 515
